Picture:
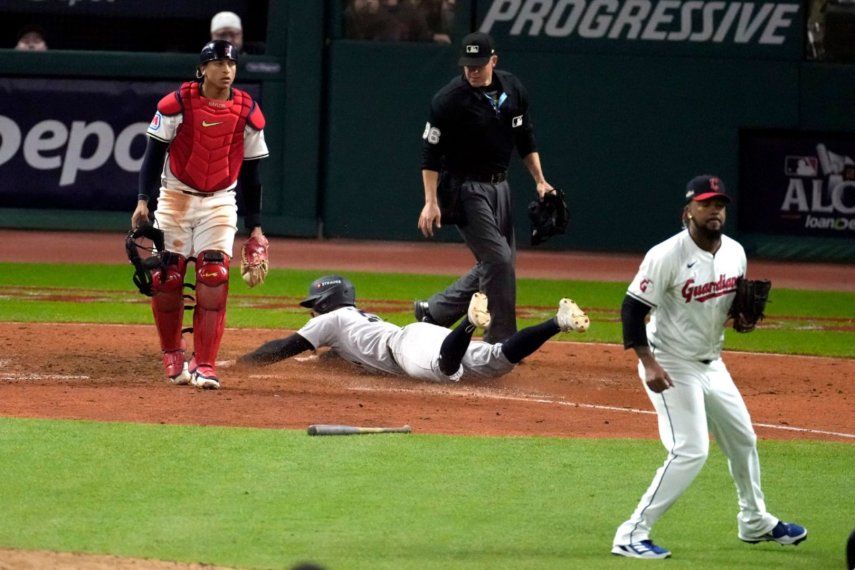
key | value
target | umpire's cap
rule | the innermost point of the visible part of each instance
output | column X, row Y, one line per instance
column 704, row 187
column 476, row 49
column 328, row 293
column 218, row 49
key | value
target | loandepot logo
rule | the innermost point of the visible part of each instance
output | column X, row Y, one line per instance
column 821, row 190
column 764, row 23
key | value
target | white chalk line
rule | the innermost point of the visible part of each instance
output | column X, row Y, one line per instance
column 565, row 403
column 24, row 376
column 18, row 376
column 530, row 399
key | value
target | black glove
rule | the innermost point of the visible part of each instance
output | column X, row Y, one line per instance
column 749, row 304
column 549, row 216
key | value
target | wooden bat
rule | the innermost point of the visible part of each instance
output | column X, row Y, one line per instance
column 324, row 429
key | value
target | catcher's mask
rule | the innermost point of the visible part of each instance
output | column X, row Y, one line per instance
column 135, row 241
column 328, row 293
column 548, row 216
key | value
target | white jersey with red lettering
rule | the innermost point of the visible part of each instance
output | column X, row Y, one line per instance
column 369, row 341
column 690, row 291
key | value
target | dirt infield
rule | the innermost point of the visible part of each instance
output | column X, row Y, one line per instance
column 112, row 372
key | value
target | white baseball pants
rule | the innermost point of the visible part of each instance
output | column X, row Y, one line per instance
column 416, row 350
column 703, row 397
column 193, row 224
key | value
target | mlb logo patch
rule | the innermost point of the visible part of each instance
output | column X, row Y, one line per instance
column 473, row 49
column 801, row 166
column 155, row 122
column 516, row 121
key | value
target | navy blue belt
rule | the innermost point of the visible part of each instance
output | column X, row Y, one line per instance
column 705, row 361
column 493, row 178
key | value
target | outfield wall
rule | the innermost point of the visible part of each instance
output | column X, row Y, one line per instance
column 622, row 122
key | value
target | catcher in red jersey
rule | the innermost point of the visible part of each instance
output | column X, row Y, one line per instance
column 204, row 138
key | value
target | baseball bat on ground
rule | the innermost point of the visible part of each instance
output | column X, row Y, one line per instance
column 323, row 429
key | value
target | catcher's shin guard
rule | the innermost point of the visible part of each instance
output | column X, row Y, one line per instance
column 167, row 301
column 209, row 318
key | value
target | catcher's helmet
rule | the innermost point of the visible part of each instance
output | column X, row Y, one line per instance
column 328, row 293
column 218, row 49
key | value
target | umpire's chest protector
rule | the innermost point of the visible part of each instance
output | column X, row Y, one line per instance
column 207, row 151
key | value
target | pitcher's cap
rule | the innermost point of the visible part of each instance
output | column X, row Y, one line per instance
column 705, row 187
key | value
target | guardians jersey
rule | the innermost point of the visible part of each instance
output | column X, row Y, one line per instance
column 690, row 291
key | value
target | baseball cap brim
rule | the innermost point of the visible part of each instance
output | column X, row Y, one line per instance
column 708, row 195
column 473, row 61
column 309, row 302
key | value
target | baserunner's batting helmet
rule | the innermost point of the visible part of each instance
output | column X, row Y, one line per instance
column 218, row 49
column 328, row 293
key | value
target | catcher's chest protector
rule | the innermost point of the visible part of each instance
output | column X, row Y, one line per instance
column 207, row 151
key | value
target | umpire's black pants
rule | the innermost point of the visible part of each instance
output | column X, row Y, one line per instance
column 489, row 234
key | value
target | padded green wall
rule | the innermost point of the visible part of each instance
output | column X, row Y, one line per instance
column 620, row 134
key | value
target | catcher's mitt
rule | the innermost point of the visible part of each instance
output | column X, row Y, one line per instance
column 549, row 216
column 749, row 303
column 253, row 260
column 143, row 267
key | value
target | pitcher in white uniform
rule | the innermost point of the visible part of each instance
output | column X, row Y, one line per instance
column 687, row 284
column 419, row 350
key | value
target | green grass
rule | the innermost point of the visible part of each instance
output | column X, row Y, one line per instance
column 112, row 299
column 267, row 499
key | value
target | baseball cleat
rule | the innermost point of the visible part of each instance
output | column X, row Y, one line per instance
column 205, row 377
column 783, row 533
column 176, row 368
column 477, row 313
column 421, row 310
column 644, row 549
column 570, row 317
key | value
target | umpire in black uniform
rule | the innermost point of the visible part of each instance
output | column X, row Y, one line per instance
column 475, row 123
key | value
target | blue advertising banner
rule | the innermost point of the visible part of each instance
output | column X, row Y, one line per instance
column 647, row 27
column 74, row 144
column 125, row 8
column 797, row 183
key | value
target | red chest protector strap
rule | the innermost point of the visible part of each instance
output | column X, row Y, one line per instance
column 207, row 151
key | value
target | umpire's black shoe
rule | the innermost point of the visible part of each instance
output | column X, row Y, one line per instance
column 422, row 311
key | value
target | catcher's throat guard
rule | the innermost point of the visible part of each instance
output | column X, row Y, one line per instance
column 144, row 267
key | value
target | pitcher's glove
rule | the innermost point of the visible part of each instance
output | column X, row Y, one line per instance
column 253, row 260
column 749, row 303
column 548, row 215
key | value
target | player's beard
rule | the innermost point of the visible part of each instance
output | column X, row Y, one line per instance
column 707, row 233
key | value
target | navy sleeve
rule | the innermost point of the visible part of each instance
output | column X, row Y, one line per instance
column 632, row 314
column 250, row 185
column 277, row 350
column 433, row 144
column 152, row 166
column 524, row 134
